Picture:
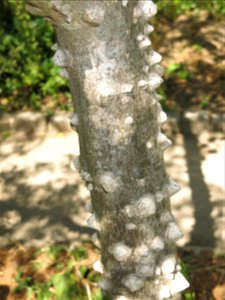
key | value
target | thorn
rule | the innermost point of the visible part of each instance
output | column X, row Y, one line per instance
column 129, row 120
column 166, row 217
column 64, row 73
column 90, row 187
column 95, row 240
column 132, row 282
column 172, row 187
column 74, row 121
column 93, row 223
column 124, row 3
column 109, row 182
column 154, row 58
column 149, row 144
column 120, row 251
column 130, row 226
column 105, row 284
column 163, row 141
column 173, row 232
column 144, row 43
column 75, row 164
column 60, row 58
column 94, row 16
column 86, row 176
column 162, row 117
column 148, row 29
column 54, row 47
column 159, row 69
column 168, row 264
column 98, row 266
column 89, row 207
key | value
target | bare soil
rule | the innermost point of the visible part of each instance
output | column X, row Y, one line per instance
column 204, row 269
column 39, row 267
column 196, row 42
column 206, row 273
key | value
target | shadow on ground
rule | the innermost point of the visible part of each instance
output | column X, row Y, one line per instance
column 195, row 161
column 199, row 190
column 40, row 212
column 193, row 44
column 43, row 200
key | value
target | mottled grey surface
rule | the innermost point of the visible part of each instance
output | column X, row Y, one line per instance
column 43, row 199
column 113, row 73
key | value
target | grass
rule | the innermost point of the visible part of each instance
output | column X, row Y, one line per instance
column 61, row 273
column 56, row 273
column 179, row 70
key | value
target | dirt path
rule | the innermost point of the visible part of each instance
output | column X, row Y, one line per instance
column 43, row 200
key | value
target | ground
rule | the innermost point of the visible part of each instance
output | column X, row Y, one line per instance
column 194, row 84
column 205, row 271
column 192, row 46
column 44, row 201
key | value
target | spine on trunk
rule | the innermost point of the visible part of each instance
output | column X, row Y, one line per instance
column 106, row 54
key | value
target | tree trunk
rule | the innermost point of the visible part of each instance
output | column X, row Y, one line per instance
column 104, row 50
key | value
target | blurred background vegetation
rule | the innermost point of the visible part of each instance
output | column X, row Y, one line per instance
column 28, row 78
column 28, row 75
column 30, row 81
column 172, row 8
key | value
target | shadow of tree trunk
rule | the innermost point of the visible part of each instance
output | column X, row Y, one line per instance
column 203, row 230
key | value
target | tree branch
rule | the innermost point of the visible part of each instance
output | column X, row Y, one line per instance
column 51, row 10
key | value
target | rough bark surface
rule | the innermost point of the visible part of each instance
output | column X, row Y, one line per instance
column 105, row 51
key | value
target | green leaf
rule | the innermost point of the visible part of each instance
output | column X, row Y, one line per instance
column 70, row 265
column 30, row 292
column 55, row 251
column 64, row 285
column 173, row 68
column 184, row 74
column 83, row 270
column 60, row 266
column 79, row 253
column 99, row 295
column 19, row 276
column 189, row 296
column 184, row 269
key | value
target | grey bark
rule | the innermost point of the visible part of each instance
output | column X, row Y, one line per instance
column 105, row 51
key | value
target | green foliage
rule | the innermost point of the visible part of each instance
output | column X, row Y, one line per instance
column 5, row 134
column 63, row 277
column 173, row 68
column 29, row 77
column 184, row 269
column 189, row 296
column 79, row 253
column 220, row 254
column 178, row 70
column 205, row 101
column 27, row 72
column 64, row 286
column 172, row 8
column 198, row 47
column 21, row 283
column 55, row 251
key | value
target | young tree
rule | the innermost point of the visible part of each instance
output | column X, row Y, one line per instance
column 105, row 51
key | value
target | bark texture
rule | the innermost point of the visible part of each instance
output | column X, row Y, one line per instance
column 105, row 51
